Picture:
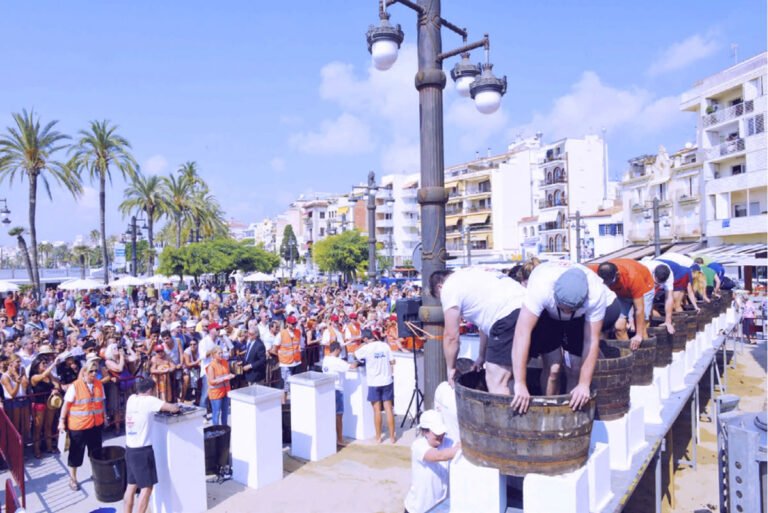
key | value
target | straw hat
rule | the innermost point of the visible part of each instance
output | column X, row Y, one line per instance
column 54, row 402
column 45, row 349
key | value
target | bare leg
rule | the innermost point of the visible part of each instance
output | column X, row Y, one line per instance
column 572, row 372
column 144, row 496
column 678, row 300
column 550, row 371
column 390, row 420
column 377, row 419
column 339, row 439
column 621, row 328
column 130, row 493
column 497, row 378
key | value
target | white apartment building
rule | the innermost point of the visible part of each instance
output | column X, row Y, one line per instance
column 398, row 221
column 676, row 181
column 572, row 177
column 264, row 234
column 731, row 108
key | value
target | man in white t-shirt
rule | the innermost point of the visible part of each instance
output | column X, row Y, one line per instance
column 206, row 344
column 492, row 302
column 139, row 456
column 665, row 282
column 378, row 375
column 334, row 365
column 431, row 454
column 566, row 304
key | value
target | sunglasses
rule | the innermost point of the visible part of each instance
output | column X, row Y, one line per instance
column 91, row 372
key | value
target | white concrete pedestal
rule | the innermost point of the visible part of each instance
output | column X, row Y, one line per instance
column 357, row 422
column 661, row 379
column 445, row 403
column 730, row 315
column 677, row 372
column 473, row 489
column 313, row 415
column 403, row 380
column 649, row 398
column 599, row 477
column 566, row 493
column 180, row 460
column 690, row 356
column 257, row 429
column 624, row 436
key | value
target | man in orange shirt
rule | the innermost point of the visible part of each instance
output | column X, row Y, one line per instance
column 634, row 286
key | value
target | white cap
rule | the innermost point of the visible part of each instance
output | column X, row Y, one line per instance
column 432, row 420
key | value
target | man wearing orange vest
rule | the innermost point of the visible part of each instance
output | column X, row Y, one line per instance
column 287, row 346
column 353, row 334
column 83, row 416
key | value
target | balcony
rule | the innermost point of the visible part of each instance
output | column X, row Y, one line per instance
column 737, row 182
column 737, row 226
column 553, row 204
column 384, row 223
column 688, row 199
column 472, row 191
column 734, row 112
column 563, row 179
column 725, row 149
column 409, row 193
column 552, row 227
column 480, row 208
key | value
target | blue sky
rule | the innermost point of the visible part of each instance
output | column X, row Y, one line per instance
column 277, row 99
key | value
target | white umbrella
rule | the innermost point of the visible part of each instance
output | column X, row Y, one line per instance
column 258, row 277
column 86, row 284
column 7, row 286
column 126, row 281
column 159, row 279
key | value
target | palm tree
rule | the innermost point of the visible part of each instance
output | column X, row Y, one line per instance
column 177, row 201
column 145, row 194
column 18, row 232
column 45, row 248
column 94, row 236
column 28, row 151
column 97, row 150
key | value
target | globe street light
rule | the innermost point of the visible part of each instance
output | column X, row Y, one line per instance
column 4, row 212
column 430, row 80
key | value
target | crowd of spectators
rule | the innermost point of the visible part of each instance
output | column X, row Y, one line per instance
column 170, row 334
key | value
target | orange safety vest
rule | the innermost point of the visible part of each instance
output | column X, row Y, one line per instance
column 289, row 351
column 354, row 330
column 220, row 367
column 331, row 340
column 392, row 337
column 88, row 409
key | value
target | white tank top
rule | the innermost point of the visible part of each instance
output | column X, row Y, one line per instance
column 20, row 393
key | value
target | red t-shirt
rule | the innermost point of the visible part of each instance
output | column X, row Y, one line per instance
column 10, row 308
column 634, row 279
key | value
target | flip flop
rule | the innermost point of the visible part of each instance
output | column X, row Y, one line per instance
column 73, row 485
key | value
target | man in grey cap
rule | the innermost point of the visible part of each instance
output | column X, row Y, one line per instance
column 566, row 304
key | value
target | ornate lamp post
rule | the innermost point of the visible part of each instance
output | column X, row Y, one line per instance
column 653, row 213
column 487, row 90
column 133, row 228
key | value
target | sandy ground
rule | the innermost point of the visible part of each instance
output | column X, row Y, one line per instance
column 696, row 491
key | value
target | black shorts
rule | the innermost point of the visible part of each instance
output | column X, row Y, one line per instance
column 612, row 314
column 550, row 334
column 382, row 393
column 79, row 440
column 140, row 466
column 499, row 349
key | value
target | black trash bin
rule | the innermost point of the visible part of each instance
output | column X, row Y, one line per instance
column 109, row 476
column 216, row 448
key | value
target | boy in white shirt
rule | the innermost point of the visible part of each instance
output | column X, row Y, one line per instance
column 139, row 455
column 332, row 364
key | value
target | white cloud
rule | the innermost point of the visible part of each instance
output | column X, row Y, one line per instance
column 345, row 135
column 685, row 53
column 89, row 199
column 592, row 105
column 475, row 128
column 277, row 164
column 155, row 165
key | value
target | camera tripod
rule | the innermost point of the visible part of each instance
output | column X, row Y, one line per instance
column 417, row 397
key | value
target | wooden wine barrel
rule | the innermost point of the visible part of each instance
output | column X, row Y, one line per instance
column 645, row 357
column 663, row 345
column 611, row 381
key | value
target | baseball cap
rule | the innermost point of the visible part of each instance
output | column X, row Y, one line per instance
column 214, row 326
column 571, row 289
column 335, row 318
column 291, row 319
column 432, row 420
column 353, row 315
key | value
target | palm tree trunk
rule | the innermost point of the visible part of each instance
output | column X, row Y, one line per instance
column 103, row 221
column 151, row 239
column 25, row 252
column 178, row 231
column 35, row 274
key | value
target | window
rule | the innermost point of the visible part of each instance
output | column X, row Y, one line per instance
column 756, row 125
column 740, row 210
column 322, row 232
column 737, row 170
column 322, row 215
column 525, row 232
column 754, row 208
column 533, row 231
column 611, row 229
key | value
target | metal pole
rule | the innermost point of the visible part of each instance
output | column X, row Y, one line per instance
column 430, row 82
column 372, row 226
column 133, row 244
column 468, row 233
column 656, row 234
column 578, row 237
column 391, row 248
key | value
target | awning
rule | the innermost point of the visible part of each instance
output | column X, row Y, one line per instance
column 342, row 210
column 737, row 254
column 477, row 219
column 451, row 221
column 548, row 216
column 684, row 248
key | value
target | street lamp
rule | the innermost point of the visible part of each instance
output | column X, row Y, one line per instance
column 579, row 225
column 430, row 82
column 133, row 227
column 372, row 226
column 467, row 243
column 4, row 212
column 653, row 213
